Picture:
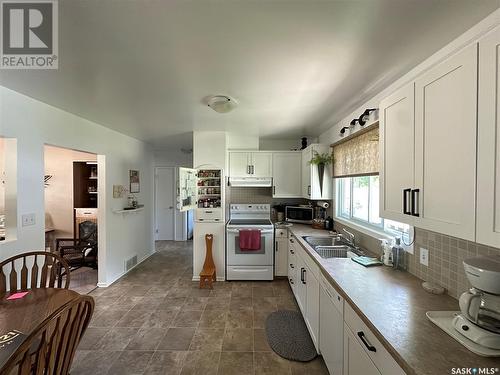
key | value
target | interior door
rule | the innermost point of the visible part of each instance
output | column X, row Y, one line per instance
column 165, row 204
column 397, row 154
column 187, row 194
column 488, row 159
column 445, row 151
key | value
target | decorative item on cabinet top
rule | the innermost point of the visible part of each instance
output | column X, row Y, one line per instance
column 321, row 160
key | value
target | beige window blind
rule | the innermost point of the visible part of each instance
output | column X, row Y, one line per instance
column 357, row 156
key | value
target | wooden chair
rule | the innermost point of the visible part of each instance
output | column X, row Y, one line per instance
column 82, row 251
column 208, row 273
column 40, row 277
column 50, row 348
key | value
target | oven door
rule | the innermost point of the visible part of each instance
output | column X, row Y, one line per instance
column 238, row 257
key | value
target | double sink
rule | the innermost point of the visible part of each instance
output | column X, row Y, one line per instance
column 332, row 247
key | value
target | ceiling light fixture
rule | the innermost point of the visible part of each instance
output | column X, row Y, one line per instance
column 222, row 103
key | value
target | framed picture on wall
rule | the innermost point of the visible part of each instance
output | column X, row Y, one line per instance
column 135, row 185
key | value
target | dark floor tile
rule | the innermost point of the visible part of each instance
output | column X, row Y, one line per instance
column 206, row 363
column 134, row 318
column 260, row 343
column 177, row 339
column 218, row 303
column 207, row 339
column 131, row 362
column 195, row 303
column 117, row 338
column 240, row 363
column 108, row 318
column 170, row 303
column 240, row 302
column 96, row 362
column 238, row 340
column 213, row 319
column 161, row 318
column 263, row 291
column 91, row 337
column 166, row 363
column 147, row 339
column 259, row 318
column 269, row 363
column 187, row 318
column 240, row 318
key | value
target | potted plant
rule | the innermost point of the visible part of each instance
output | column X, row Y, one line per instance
column 321, row 160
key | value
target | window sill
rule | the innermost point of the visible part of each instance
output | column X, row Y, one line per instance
column 377, row 234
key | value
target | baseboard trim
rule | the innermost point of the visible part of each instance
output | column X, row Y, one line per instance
column 105, row 285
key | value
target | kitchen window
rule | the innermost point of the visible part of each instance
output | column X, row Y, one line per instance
column 357, row 201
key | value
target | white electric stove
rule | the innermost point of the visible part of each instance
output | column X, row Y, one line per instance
column 243, row 264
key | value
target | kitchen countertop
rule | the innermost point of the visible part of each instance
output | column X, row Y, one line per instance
column 393, row 305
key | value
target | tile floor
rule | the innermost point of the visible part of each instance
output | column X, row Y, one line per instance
column 155, row 320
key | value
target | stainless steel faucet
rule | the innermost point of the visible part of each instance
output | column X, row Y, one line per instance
column 351, row 239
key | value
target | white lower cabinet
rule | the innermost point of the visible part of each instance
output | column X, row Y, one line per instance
column 292, row 266
column 356, row 330
column 281, row 252
column 331, row 325
column 312, row 305
column 356, row 361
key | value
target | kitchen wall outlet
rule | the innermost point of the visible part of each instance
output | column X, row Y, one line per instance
column 28, row 219
column 424, row 257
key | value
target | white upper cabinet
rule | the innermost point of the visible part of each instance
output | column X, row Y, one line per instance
column 287, row 179
column 250, row 164
column 445, row 146
column 261, row 164
column 239, row 164
column 311, row 184
column 397, row 154
column 488, row 159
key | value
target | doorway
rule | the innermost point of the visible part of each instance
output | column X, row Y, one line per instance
column 165, row 210
column 71, row 212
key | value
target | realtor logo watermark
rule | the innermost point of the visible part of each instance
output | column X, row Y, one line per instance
column 29, row 34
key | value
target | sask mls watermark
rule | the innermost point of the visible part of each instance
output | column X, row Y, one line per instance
column 29, row 34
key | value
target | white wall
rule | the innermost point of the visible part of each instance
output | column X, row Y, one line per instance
column 472, row 35
column 172, row 158
column 241, row 142
column 59, row 192
column 34, row 124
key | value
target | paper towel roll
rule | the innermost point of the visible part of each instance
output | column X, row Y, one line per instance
column 323, row 204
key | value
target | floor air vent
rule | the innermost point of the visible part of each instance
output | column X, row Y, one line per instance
column 130, row 262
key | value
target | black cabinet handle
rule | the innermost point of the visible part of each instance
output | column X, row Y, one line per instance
column 292, row 266
column 309, row 190
column 406, row 193
column 274, row 190
column 291, row 281
column 415, row 202
column 303, row 275
column 371, row 348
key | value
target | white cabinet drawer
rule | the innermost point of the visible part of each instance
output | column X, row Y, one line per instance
column 281, row 233
column 370, row 344
column 208, row 214
column 86, row 212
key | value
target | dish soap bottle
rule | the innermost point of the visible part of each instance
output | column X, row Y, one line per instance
column 398, row 256
column 386, row 253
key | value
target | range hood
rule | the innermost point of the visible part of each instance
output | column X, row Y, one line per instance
column 250, row 181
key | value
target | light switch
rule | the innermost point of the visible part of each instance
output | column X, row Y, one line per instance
column 424, row 257
column 28, row 219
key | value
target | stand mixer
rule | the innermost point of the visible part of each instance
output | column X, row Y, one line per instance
column 479, row 320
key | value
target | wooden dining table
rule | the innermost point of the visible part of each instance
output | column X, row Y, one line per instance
column 26, row 313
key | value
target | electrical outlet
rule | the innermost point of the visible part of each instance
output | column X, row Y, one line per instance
column 424, row 257
column 28, row 219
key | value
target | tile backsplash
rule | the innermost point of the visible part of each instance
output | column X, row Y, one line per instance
column 257, row 195
column 446, row 255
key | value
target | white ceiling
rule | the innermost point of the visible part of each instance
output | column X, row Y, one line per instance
column 144, row 67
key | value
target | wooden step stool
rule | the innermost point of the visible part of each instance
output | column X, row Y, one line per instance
column 208, row 274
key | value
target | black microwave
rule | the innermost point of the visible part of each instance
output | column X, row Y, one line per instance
column 299, row 214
